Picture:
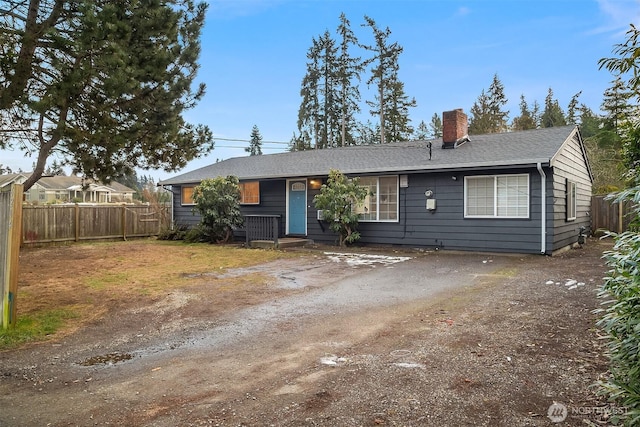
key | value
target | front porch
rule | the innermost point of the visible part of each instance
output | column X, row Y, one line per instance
column 263, row 231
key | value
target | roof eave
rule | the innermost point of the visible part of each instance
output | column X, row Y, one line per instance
column 545, row 162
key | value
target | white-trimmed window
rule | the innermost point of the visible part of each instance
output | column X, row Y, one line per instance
column 496, row 196
column 186, row 195
column 381, row 204
column 572, row 200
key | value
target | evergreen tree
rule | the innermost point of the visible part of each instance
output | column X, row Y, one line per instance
column 571, row 118
column 255, row 143
column 318, row 114
column 590, row 123
column 309, row 111
column 436, row 126
column 552, row 114
column 104, row 82
column 5, row 169
column 527, row 118
column 368, row 133
column 616, row 104
column 129, row 178
column 487, row 115
column 390, row 103
column 604, row 150
column 399, row 123
column 56, row 169
column 348, row 70
column 480, row 120
column 300, row 142
column 422, row 132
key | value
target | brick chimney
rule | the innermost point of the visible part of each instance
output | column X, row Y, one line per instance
column 455, row 128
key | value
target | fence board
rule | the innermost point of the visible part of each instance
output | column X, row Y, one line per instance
column 607, row 215
column 58, row 223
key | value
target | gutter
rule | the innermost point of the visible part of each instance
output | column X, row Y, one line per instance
column 543, row 209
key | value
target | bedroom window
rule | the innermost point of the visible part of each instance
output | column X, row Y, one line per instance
column 186, row 196
column 381, row 204
column 250, row 193
column 572, row 200
column 496, row 196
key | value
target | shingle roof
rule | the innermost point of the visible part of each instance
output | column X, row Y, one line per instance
column 500, row 149
column 60, row 182
column 9, row 178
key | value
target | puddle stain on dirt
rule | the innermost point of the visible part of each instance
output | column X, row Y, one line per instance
column 106, row 359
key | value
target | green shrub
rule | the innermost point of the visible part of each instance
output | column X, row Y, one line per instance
column 178, row 232
column 196, row 234
column 621, row 318
column 218, row 202
column 337, row 199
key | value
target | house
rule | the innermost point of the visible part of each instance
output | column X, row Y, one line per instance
column 12, row 178
column 63, row 189
column 524, row 192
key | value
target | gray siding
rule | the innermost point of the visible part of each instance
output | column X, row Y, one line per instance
column 182, row 215
column 446, row 227
column 570, row 164
column 272, row 202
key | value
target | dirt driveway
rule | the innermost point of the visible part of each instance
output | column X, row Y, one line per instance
column 384, row 338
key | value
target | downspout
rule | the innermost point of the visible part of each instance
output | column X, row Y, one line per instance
column 171, row 225
column 543, row 209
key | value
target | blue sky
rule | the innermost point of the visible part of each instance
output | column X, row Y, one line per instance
column 254, row 53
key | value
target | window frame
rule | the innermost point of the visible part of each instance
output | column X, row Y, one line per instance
column 182, row 195
column 242, row 186
column 496, row 197
column 572, row 200
column 378, row 203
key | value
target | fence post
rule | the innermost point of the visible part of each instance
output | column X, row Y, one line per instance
column 77, row 222
column 275, row 231
column 620, row 217
column 124, row 223
column 9, row 263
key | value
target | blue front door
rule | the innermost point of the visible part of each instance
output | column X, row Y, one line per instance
column 297, row 207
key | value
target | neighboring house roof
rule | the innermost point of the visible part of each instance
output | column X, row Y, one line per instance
column 491, row 150
column 10, row 178
column 60, row 182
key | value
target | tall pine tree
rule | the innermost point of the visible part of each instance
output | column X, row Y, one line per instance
column 255, row 142
column 616, row 104
column 552, row 114
column 487, row 115
column 348, row 70
column 390, row 104
column 104, row 84
column 528, row 118
column 436, row 126
column 422, row 131
column 318, row 114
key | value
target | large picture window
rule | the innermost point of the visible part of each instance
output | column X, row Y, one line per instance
column 186, row 196
column 503, row 196
column 250, row 193
column 381, row 204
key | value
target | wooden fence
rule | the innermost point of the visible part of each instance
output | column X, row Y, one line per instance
column 59, row 223
column 607, row 215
